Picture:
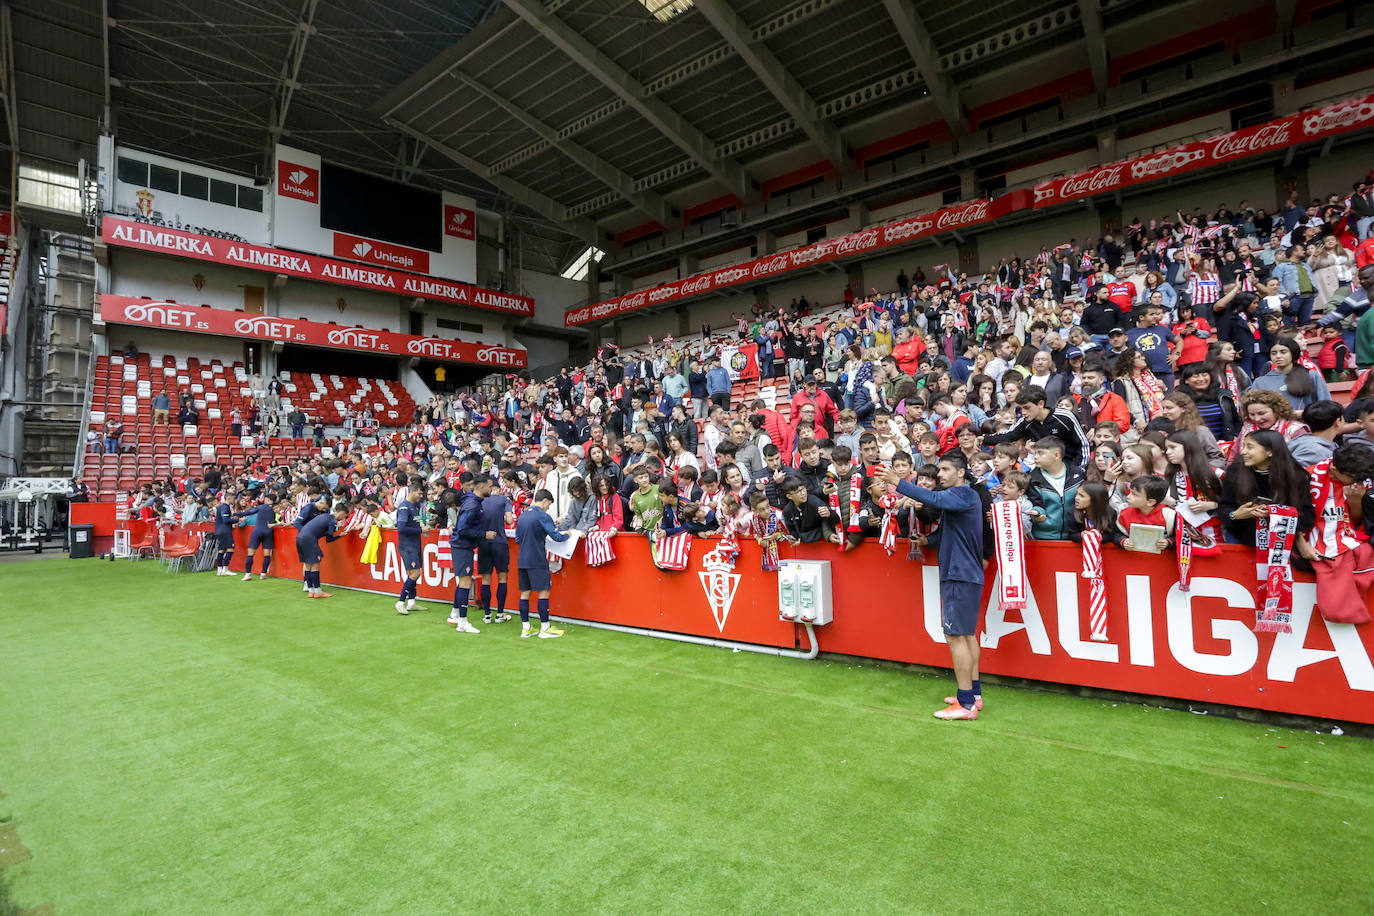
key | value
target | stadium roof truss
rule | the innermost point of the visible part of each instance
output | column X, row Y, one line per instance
column 576, row 119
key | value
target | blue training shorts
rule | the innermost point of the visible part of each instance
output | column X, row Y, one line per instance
column 462, row 561
column 536, row 580
column 493, row 556
column 960, row 604
column 262, row 539
column 410, row 556
column 309, row 550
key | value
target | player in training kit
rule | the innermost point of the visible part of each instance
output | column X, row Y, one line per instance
column 264, row 515
column 315, row 504
column 534, row 526
column 308, row 546
column 409, row 530
column 493, row 554
column 224, row 537
column 468, row 532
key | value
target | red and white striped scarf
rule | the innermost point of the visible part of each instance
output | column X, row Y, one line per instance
column 1151, row 392
column 1274, row 549
column 766, row 527
column 887, row 534
column 1097, row 589
column 1332, row 535
column 599, row 550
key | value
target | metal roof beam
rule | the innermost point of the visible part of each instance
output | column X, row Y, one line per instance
column 7, row 79
column 288, row 80
column 1096, row 41
column 776, row 78
column 918, row 43
column 650, row 203
column 540, row 203
column 672, row 125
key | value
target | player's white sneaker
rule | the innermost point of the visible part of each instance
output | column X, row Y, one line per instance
column 262, row 576
column 401, row 607
column 550, row 632
column 246, row 577
column 526, row 632
column 304, row 587
column 464, row 627
column 453, row 618
column 410, row 605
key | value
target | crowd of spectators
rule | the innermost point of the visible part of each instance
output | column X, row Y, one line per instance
column 1177, row 369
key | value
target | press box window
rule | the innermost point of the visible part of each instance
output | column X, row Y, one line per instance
column 161, row 178
column 197, row 186
column 250, row 198
column 133, row 171
column 224, row 192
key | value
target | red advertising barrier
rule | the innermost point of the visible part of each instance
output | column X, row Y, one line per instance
column 1198, row 645
column 875, row 238
column 129, row 234
column 101, row 516
column 205, row 320
column 1348, row 115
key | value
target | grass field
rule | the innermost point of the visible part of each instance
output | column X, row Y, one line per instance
column 201, row 745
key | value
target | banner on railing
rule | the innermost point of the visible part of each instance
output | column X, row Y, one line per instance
column 174, row 316
column 1351, row 114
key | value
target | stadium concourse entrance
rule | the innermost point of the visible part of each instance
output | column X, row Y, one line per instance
column 439, row 376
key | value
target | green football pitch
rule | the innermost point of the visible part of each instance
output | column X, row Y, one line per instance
column 194, row 744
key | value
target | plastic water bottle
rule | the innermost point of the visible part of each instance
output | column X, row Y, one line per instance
column 808, row 601
column 788, row 599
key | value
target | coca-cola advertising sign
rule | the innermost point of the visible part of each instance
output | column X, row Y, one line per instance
column 1281, row 133
column 205, row 320
column 371, row 251
column 374, row 276
column 459, row 222
column 846, row 246
column 298, row 181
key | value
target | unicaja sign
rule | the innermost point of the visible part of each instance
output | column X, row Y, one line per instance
column 298, row 181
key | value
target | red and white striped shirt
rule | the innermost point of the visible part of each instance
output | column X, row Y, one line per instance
column 1204, row 290
column 1332, row 535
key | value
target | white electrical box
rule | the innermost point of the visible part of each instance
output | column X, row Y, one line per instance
column 804, row 591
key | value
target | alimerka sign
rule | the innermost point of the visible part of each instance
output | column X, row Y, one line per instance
column 175, row 316
column 876, row 238
column 144, row 237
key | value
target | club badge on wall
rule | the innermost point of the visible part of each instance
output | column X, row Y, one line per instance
column 145, row 202
column 341, row 302
column 198, row 281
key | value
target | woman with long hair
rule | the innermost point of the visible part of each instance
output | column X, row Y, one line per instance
column 1332, row 268
column 1237, row 325
column 1193, row 483
column 1265, row 409
column 1106, row 459
column 1180, row 410
column 1215, row 405
column 610, row 508
column 1263, row 473
column 599, row 464
column 1136, row 461
column 1300, row 385
column 982, row 393
column 1092, row 508
column 1227, row 372
column 1138, row 386
column 958, row 395
column 1154, row 283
